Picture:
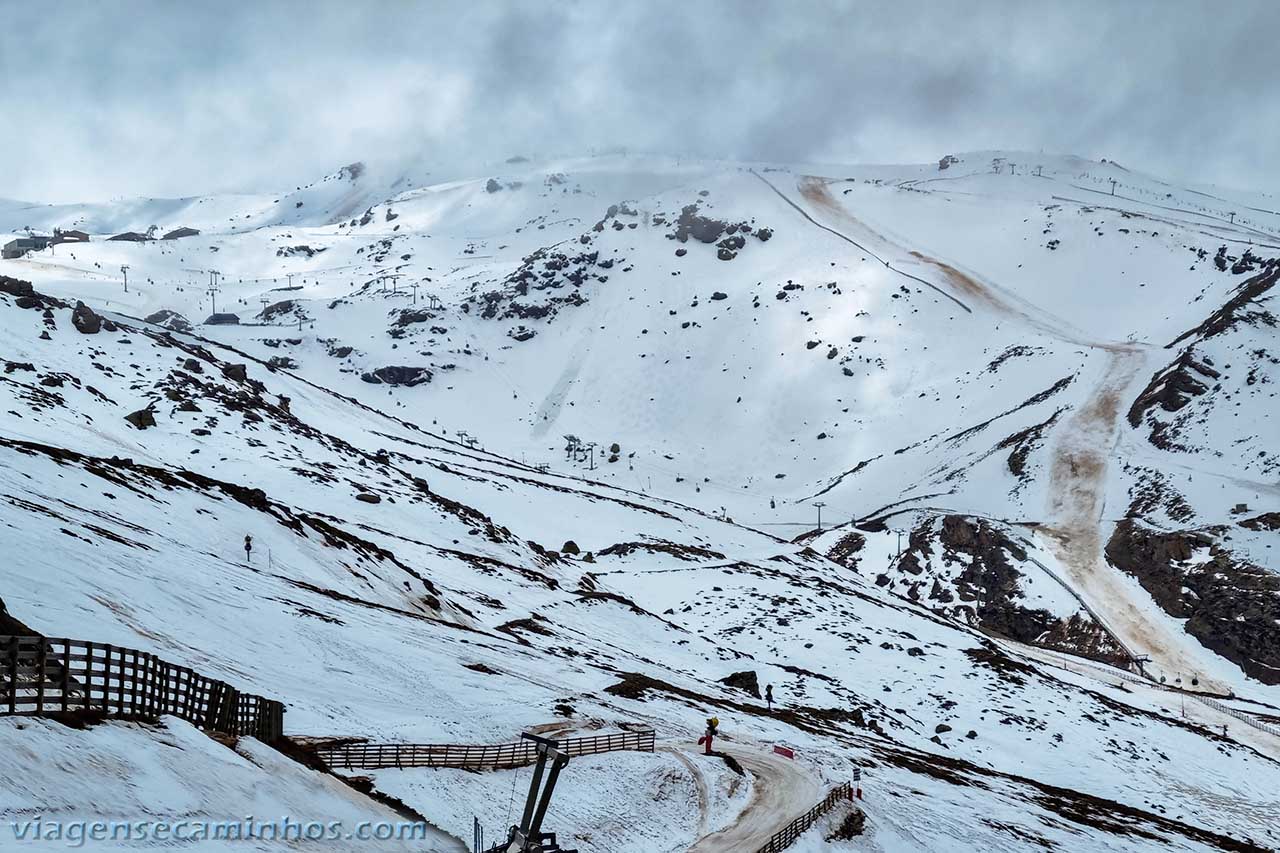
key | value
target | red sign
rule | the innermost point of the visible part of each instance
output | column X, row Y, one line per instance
column 785, row 751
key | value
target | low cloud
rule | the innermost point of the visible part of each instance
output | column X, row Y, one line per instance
column 103, row 100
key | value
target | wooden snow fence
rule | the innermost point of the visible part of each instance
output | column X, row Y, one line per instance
column 785, row 837
column 45, row 676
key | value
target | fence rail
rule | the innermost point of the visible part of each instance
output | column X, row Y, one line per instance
column 783, row 838
column 1242, row 716
column 48, row 675
column 1144, row 680
column 374, row 756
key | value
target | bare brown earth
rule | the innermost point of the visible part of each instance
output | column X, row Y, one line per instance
column 1081, row 453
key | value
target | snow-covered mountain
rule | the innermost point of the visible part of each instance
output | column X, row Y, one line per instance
column 547, row 448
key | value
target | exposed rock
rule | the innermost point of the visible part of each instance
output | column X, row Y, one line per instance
column 278, row 309
column 846, row 548
column 1173, row 387
column 1231, row 606
column 235, row 372
column 746, row 681
column 701, row 228
column 988, row 586
column 142, row 418
column 368, row 498
column 1266, row 521
column 86, row 320
column 409, row 316
column 398, row 375
column 171, row 320
column 179, row 233
column 15, row 287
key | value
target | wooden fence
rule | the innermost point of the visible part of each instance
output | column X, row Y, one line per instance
column 374, row 756
column 49, row 675
column 783, row 838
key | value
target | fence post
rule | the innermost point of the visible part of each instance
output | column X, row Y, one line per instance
column 106, row 678
column 66, row 673
column 13, row 674
column 88, row 675
column 121, row 686
column 41, row 661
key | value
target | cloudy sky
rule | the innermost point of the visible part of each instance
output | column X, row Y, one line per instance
column 120, row 98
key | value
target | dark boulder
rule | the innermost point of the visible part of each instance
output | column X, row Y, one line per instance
column 746, row 681
column 570, row 547
column 86, row 320
column 171, row 320
column 398, row 375
column 15, row 287
column 235, row 372
column 142, row 418
column 368, row 498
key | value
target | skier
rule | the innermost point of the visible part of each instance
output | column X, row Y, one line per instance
column 768, row 696
column 248, row 547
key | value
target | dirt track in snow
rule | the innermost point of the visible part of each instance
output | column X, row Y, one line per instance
column 1081, row 455
column 1083, row 449
column 782, row 792
column 965, row 288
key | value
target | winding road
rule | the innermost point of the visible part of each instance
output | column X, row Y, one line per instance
column 782, row 791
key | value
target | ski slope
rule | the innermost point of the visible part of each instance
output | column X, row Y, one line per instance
column 948, row 360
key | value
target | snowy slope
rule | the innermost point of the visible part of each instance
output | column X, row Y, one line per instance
column 951, row 354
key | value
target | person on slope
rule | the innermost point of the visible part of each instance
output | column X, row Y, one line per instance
column 768, row 696
column 713, row 729
column 248, row 548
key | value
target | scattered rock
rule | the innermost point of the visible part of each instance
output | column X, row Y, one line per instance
column 171, row 320
column 142, row 418
column 398, row 375
column 86, row 320
column 746, row 681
